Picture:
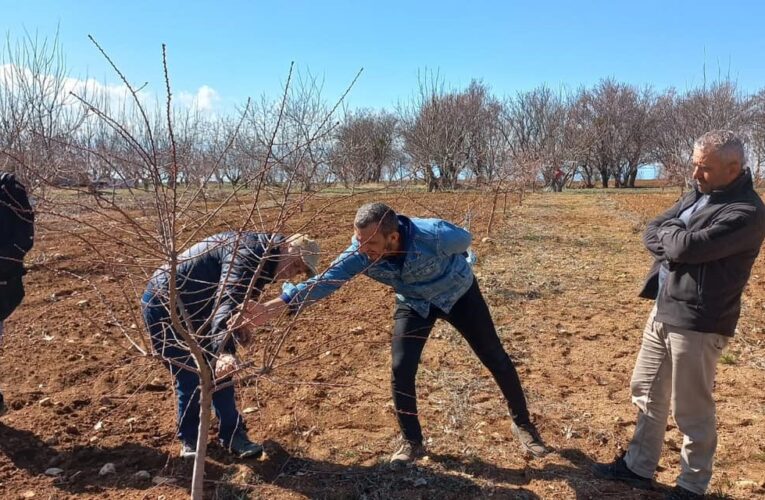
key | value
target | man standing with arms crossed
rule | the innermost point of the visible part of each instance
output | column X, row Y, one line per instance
column 424, row 260
column 704, row 248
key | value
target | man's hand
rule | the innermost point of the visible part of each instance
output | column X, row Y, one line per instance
column 226, row 364
column 256, row 314
column 676, row 222
column 247, row 319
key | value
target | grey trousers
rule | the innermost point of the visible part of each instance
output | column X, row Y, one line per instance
column 675, row 367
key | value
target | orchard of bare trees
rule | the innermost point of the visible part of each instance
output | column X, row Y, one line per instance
column 56, row 130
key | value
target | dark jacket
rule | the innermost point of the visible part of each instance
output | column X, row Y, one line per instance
column 16, row 226
column 222, row 265
column 709, row 261
column 16, row 239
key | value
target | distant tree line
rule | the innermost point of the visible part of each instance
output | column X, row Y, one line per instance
column 443, row 137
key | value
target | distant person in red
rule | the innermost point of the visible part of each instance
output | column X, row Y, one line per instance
column 703, row 248
column 558, row 179
column 16, row 239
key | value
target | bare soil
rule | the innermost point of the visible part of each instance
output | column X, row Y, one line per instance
column 561, row 273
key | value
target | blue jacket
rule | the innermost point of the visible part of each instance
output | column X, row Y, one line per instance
column 434, row 269
column 222, row 265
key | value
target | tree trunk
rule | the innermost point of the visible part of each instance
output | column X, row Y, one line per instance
column 604, row 176
column 631, row 178
column 205, row 401
column 493, row 209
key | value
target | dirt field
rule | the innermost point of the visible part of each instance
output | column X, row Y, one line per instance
column 561, row 275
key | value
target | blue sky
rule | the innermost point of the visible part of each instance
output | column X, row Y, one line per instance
column 243, row 49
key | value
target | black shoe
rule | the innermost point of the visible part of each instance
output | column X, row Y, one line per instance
column 680, row 493
column 618, row 471
column 2, row 404
column 241, row 446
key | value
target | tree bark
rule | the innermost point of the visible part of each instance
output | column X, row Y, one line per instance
column 604, row 176
column 631, row 178
column 205, row 402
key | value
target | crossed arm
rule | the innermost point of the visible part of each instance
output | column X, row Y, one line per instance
column 733, row 230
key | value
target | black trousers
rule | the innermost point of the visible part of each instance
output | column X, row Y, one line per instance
column 471, row 317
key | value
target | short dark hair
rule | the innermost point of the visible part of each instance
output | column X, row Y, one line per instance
column 378, row 214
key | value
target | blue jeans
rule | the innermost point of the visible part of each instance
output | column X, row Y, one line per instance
column 169, row 347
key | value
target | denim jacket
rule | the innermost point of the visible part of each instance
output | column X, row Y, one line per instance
column 434, row 269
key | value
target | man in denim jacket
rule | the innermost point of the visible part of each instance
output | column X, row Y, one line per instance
column 424, row 260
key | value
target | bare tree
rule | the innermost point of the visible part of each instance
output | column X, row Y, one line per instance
column 683, row 118
column 364, row 147
column 534, row 125
column 440, row 131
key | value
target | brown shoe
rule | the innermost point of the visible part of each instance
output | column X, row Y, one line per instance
column 407, row 453
column 530, row 440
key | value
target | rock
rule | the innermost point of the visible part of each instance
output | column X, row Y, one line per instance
column 142, row 475
column 249, row 409
column 160, row 480
column 357, row 330
column 45, row 402
column 82, row 303
column 53, row 471
column 98, row 426
column 747, row 484
column 486, row 239
column 28, row 494
column 107, row 469
column 156, row 385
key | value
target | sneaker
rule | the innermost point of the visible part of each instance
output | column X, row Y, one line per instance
column 188, row 451
column 407, row 453
column 241, row 446
column 530, row 440
column 618, row 471
column 680, row 493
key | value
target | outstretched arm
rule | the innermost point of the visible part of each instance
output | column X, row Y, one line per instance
column 295, row 297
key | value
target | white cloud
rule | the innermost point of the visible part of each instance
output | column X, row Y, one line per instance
column 204, row 100
column 111, row 98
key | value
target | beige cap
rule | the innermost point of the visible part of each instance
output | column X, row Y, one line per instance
column 308, row 250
